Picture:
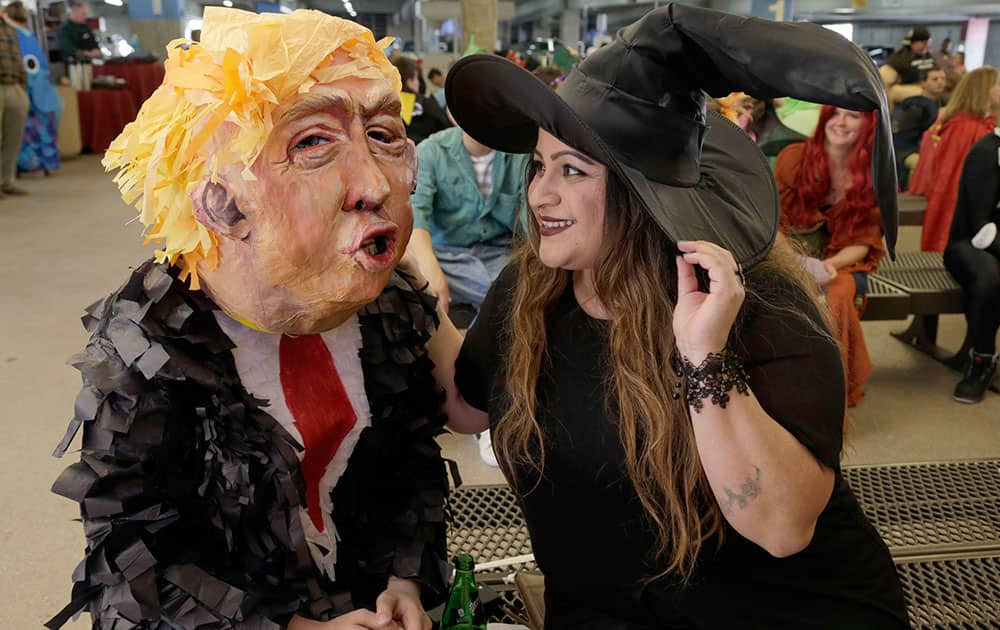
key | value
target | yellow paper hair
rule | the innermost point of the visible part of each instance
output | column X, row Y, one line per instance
column 245, row 65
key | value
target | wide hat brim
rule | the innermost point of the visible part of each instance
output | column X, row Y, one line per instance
column 734, row 203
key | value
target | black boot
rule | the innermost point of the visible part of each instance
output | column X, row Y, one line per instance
column 977, row 378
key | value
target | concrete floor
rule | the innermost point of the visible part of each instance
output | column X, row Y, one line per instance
column 72, row 241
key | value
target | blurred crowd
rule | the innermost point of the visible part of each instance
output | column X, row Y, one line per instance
column 821, row 157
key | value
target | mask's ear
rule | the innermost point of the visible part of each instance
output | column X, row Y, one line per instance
column 215, row 207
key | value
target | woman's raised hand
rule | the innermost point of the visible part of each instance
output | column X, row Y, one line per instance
column 702, row 321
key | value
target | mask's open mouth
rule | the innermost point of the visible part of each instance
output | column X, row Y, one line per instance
column 374, row 247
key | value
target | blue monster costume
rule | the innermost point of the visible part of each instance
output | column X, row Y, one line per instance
column 39, row 149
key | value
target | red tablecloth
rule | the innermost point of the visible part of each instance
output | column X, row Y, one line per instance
column 103, row 115
column 142, row 78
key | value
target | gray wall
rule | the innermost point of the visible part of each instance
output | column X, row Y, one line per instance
column 891, row 34
column 884, row 34
column 119, row 24
column 993, row 45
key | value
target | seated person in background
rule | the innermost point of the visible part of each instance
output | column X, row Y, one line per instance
column 76, row 40
column 943, row 58
column 970, row 115
column 464, row 210
column 258, row 410
column 438, row 93
column 436, row 78
column 427, row 116
column 548, row 74
column 439, row 98
column 904, row 65
column 951, row 79
column 973, row 258
column 958, row 67
column 912, row 117
column 828, row 203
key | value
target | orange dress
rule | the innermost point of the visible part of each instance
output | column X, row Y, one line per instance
column 843, row 228
column 942, row 154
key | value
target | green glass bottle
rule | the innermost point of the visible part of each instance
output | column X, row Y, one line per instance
column 464, row 611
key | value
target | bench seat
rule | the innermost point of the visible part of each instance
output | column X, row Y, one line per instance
column 937, row 507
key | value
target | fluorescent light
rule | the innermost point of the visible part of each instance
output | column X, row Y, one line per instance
column 114, row 3
column 227, row 3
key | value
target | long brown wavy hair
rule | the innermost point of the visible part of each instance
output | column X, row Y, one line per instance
column 636, row 280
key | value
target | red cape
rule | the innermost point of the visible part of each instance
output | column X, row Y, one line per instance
column 942, row 153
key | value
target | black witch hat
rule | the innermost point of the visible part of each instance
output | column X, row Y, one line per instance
column 638, row 106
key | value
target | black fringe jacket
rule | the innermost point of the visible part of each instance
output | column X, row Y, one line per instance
column 189, row 491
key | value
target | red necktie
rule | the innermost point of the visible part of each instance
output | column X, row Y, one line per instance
column 319, row 404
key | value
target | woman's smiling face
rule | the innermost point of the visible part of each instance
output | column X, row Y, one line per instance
column 567, row 198
column 844, row 128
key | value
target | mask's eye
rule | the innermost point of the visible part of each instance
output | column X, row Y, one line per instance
column 381, row 135
column 309, row 142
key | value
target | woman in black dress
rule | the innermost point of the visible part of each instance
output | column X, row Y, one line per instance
column 664, row 393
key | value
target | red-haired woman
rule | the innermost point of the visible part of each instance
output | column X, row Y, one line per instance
column 827, row 201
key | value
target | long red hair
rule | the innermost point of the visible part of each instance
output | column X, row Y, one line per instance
column 813, row 181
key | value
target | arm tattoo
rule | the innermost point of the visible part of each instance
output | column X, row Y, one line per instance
column 749, row 490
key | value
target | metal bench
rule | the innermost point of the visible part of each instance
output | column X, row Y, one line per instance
column 911, row 209
column 927, row 508
column 932, row 292
column 487, row 522
column 940, row 520
column 942, row 592
column 953, row 591
column 885, row 301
